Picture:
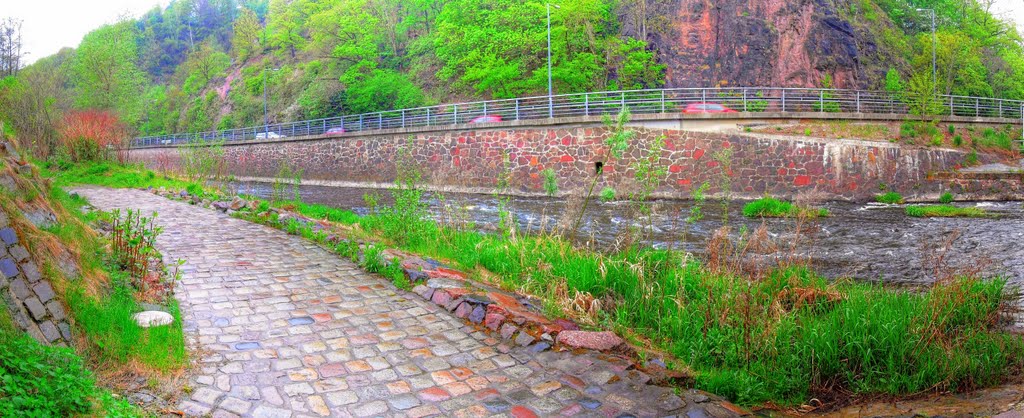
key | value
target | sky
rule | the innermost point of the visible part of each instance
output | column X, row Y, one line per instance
column 50, row 25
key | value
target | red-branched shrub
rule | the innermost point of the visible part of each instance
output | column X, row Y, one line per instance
column 93, row 135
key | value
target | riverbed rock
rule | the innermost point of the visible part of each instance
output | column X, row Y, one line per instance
column 222, row 206
column 590, row 340
column 148, row 319
column 237, row 203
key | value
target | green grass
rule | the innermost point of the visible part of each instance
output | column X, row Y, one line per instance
column 946, row 198
column 108, row 324
column 323, row 212
column 110, row 175
column 891, row 198
column 769, row 207
column 990, row 138
column 945, row 211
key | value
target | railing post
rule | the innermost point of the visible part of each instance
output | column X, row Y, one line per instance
column 858, row 101
column 325, row 127
column 977, row 107
column 703, row 95
column 586, row 104
column 380, row 120
column 403, row 118
column 517, row 109
column 663, row 101
column 821, row 100
column 485, row 108
column 455, row 114
column 428, row 116
column 360, row 121
column 622, row 104
column 744, row 100
column 343, row 122
column 783, row 100
column 952, row 109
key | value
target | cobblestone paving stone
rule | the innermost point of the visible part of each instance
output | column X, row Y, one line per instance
column 287, row 329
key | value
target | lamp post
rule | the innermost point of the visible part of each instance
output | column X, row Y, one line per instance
column 935, row 80
column 266, row 118
column 551, row 102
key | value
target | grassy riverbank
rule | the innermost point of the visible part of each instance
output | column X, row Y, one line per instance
column 782, row 337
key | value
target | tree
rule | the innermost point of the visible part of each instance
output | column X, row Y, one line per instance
column 893, row 81
column 10, row 47
column 33, row 102
column 105, row 71
column 246, row 39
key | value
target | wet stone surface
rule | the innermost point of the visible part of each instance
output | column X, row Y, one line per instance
column 366, row 348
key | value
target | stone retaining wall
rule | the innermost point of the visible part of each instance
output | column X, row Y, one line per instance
column 758, row 165
column 27, row 295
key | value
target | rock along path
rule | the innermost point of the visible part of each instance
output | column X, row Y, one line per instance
column 284, row 328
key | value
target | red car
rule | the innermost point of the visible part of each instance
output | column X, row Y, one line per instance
column 486, row 119
column 707, row 108
column 334, row 131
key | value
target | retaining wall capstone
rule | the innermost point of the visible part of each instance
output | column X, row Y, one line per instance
column 472, row 160
column 28, row 296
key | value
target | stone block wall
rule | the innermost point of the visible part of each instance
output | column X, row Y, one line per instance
column 27, row 295
column 757, row 165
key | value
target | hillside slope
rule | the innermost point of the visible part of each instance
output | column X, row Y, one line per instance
column 205, row 64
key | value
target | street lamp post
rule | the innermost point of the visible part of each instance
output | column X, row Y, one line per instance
column 551, row 102
column 266, row 118
column 935, row 79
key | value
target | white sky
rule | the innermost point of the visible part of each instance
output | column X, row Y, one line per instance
column 50, row 25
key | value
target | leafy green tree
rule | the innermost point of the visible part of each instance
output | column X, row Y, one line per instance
column 105, row 71
column 893, row 81
column 246, row 39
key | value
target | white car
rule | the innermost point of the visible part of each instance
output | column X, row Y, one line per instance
column 269, row 135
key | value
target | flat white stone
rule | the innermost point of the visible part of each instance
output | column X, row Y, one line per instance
column 148, row 319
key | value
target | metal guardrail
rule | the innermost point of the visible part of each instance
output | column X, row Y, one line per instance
column 742, row 99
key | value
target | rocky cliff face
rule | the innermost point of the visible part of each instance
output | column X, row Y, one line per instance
column 791, row 43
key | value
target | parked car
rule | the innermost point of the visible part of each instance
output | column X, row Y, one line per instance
column 268, row 135
column 707, row 108
column 486, row 119
column 334, row 131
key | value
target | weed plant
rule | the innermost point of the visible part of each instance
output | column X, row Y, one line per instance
column 945, row 211
column 769, row 207
column 891, row 198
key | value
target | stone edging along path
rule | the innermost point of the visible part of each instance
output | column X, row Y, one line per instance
column 512, row 317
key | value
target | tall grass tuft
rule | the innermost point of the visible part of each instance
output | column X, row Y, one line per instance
column 769, row 207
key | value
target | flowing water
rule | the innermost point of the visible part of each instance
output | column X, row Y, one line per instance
column 862, row 241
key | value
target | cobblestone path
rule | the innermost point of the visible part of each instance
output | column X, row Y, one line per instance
column 287, row 329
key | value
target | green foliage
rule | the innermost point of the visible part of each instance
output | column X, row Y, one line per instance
column 826, row 102
column 958, row 140
column 37, row 380
column 105, row 71
column 991, row 138
column 972, row 158
column 891, row 198
column 893, row 81
column 921, row 96
column 946, row 198
column 607, row 194
column 113, row 334
column 945, row 211
column 769, row 207
column 760, row 104
column 246, row 38
column 550, row 181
